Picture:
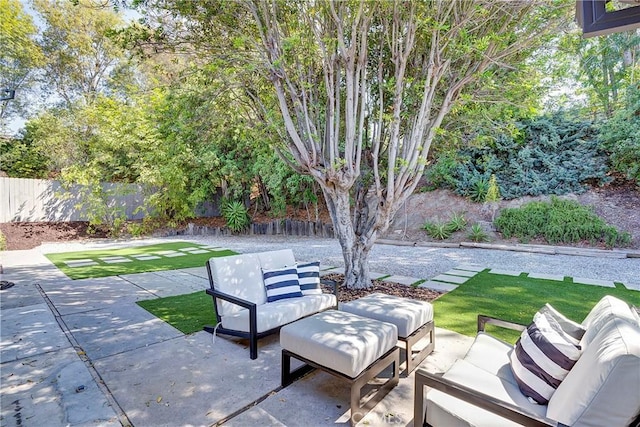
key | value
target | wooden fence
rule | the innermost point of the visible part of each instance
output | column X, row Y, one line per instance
column 286, row 227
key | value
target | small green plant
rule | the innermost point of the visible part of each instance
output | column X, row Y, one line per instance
column 479, row 190
column 236, row 215
column 477, row 234
column 457, row 222
column 437, row 230
column 3, row 242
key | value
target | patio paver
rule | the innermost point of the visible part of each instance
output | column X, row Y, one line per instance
column 450, row 279
column 505, row 272
column 438, row 286
column 556, row 277
column 594, row 282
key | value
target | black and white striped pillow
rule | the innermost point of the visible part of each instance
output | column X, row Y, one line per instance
column 281, row 283
column 309, row 278
column 542, row 358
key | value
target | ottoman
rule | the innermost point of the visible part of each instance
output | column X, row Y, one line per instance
column 348, row 346
column 413, row 318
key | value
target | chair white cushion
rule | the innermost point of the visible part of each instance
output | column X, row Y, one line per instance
column 240, row 276
column 492, row 355
column 603, row 388
column 601, row 314
column 542, row 358
column 276, row 259
column 341, row 341
column 281, row 283
column 278, row 313
column 309, row 277
column 407, row 314
column 445, row 410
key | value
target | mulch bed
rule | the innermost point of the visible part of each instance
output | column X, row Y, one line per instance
column 389, row 288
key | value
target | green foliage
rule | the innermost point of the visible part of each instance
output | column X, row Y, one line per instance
column 236, row 215
column 477, row 234
column 21, row 158
column 3, row 242
column 437, row 230
column 443, row 230
column 457, row 222
column 550, row 155
column 621, row 136
column 558, row 221
column 493, row 191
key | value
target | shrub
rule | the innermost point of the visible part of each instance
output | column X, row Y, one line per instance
column 550, row 155
column 3, row 242
column 440, row 230
column 477, row 234
column 558, row 221
column 236, row 215
column 457, row 222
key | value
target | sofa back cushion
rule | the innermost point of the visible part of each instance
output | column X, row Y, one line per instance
column 240, row 276
column 607, row 308
column 276, row 259
column 602, row 389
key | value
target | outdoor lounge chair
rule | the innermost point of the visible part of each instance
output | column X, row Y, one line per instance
column 601, row 389
column 240, row 297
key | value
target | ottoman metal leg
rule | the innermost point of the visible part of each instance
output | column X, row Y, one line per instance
column 413, row 361
column 390, row 358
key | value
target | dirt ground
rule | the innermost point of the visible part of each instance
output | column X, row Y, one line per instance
column 619, row 206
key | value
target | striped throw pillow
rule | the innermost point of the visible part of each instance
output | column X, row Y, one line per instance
column 281, row 283
column 542, row 358
column 573, row 331
column 309, row 278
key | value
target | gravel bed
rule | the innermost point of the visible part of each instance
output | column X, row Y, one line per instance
column 417, row 262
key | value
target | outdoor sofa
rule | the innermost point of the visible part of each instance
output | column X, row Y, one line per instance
column 602, row 388
column 255, row 294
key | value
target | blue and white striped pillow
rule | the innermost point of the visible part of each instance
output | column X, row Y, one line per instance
column 309, row 278
column 542, row 358
column 281, row 283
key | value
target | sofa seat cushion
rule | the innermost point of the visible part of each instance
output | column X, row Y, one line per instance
column 603, row 388
column 240, row 276
column 445, row 410
column 275, row 314
column 492, row 355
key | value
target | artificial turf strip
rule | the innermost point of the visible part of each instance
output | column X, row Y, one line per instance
column 517, row 299
column 104, row 269
column 187, row 313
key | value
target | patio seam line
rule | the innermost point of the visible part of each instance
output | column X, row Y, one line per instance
column 86, row 360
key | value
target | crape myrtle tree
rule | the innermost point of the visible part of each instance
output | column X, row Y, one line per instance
column 362, row 87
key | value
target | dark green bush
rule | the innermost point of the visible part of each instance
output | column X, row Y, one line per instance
column 549, row 155
column 558, row 221
column 236, row 215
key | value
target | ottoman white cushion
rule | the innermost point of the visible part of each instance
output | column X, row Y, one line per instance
column 407, row 314
column 344, row 342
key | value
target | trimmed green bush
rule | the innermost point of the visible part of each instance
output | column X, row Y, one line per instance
column 3, row 242
column 558, row 221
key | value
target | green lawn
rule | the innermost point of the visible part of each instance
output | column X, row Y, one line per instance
column 507, row 297
column 517, row 299
column 93, row 263
column 187, row 313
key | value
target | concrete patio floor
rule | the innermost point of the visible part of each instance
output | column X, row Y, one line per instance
column 82, row 353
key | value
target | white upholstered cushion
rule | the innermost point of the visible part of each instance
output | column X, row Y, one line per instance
column 601, row 314
column 344, row 342
column 445, row 410
column 603, row 388
column 407, row 314
column 240, row 276
column 492, row 355
column 278, row 313
column 276, row 259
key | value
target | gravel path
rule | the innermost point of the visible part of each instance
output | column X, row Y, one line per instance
column 426, row 263
column 418, row 262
